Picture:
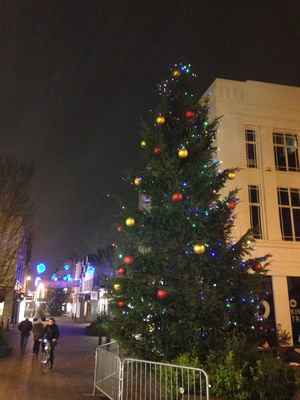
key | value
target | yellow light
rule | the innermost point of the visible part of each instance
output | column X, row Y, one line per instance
column 137, row 181
column 143, row 143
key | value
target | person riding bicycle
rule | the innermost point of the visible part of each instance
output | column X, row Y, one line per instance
column 51, row 333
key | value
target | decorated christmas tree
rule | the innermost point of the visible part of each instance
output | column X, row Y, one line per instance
column 182, row 284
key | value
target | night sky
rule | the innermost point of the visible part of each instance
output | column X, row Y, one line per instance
column 77, row 76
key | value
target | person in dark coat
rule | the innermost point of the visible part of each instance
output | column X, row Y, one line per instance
column 38, row 329
column 24, row 327
column 51, row 333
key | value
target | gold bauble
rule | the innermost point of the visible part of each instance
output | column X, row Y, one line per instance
column 160, row 120
column 183, row 153
column 130, row 221
column 137, row 181
column 117, row 287
column 143, row 144
column 231, row 175
column 199, row 249
column 176, row 73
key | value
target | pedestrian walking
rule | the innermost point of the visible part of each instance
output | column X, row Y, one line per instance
column 38, row 329
column 24, row 327
column 51, row 333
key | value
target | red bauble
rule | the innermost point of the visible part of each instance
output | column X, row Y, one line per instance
column 189, row 114
column 162, row 294
column 122, row 271
column 177, row 197
column 256, row 267
column 121, row 304
column 120, row 229
column 128, row 260
column 230, row 206
column 157, row 150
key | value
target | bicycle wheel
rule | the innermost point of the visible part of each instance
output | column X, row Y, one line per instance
column 45, row 363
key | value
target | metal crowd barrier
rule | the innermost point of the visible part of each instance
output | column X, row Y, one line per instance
column 133, row 379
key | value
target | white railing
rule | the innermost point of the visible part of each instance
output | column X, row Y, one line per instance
column 133, row 379
column 147, row 380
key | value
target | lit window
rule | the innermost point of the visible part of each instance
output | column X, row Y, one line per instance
column 254, row 208
column 286, row 152
column 289, row 213
column 250, row 137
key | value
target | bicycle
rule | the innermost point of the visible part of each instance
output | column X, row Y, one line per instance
column 45, row 363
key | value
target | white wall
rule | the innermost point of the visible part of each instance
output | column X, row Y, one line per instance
column 264, row 107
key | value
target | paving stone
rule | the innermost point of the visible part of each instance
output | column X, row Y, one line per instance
column 73, row 370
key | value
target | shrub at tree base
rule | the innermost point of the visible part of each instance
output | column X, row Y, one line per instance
column 96, row 327
column 241, row 372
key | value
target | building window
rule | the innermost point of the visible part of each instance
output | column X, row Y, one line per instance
column 286, row 152
column 254, row 207
column 250, row 136
column 289, row 213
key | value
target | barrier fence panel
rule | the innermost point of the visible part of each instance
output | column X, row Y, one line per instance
column 146, row 380
column 108, row 370
column 135, row 379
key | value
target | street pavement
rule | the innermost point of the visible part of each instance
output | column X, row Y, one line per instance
column 73, row 370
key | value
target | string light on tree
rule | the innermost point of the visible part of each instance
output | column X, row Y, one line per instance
column 117, row 287
column 157, row 150
column 143, row 144
column 137, row 181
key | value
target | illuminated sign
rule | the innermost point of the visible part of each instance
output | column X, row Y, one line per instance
column 37, row 281
column 90, row 270
column 41, row 268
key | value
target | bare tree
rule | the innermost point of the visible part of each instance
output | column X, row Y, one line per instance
column 15, row 216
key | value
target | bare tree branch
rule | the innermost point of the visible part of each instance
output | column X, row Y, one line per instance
column 15, row 216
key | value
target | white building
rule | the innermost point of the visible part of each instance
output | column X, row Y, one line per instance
column 90, row 293
column 260, row 134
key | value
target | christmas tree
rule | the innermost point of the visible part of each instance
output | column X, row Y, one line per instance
column 57, row 298
column 182, row 283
